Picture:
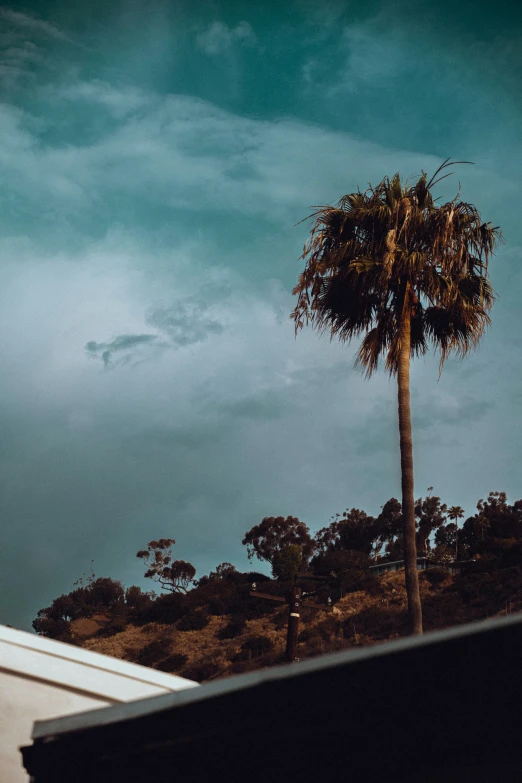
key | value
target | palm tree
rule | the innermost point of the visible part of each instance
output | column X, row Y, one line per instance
column 455, row 513
column 392, row 265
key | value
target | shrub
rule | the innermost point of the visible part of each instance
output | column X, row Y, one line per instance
column 168, row 608
column 371, row 584
column 218, row 607
column 281, row 619
column 194, row 620
column 314, row 646
column 306, row 634
column 476, row 587
column 116, row 625
column 247, row 606
column 154, row 652
column 201, row 671
column 255, row 646
column 378, row 622
column 136, row 600
column 173, row 663
column 328, row 628
column 255, row 576
column 442, row 610
column 240, row 666
column 233, row 628
column 54, row 629
column 281, row 588
column 105, row 593
column 258, row 644
column 434, row 575
column 487, row 591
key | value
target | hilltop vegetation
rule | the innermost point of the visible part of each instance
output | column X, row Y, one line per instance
column 214, row 627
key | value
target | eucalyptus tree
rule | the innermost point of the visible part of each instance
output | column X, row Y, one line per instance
column 399, row 270
column 285, row 543
column 176, row 576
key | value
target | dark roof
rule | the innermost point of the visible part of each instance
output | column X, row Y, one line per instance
column 442, row 704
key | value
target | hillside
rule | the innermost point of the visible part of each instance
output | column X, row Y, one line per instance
column 228, row 644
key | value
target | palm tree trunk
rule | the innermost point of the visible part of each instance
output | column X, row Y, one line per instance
column 456, row 539
column 408, row 503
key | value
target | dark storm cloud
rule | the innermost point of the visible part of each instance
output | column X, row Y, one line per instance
column 125, row 343
column 259, row 406
column 267, row 405
column 437, row 412
column 434, row 415
column 185, row 323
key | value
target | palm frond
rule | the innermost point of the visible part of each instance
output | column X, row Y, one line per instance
column 367, row 250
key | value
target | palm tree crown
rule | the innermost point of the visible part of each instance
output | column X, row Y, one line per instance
column 388, row 251
column 455, row 512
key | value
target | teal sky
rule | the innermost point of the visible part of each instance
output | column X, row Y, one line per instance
column 155, row 159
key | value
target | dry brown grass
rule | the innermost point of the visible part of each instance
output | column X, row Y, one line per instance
column 88, row 626
column 205, row 647
column 198, row 646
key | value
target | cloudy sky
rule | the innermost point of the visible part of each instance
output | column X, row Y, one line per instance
column 155, row 158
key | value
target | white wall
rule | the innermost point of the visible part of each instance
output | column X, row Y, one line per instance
column 21, row 702
column 42, row 679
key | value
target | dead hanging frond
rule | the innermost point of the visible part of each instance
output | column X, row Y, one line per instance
column 375, row 344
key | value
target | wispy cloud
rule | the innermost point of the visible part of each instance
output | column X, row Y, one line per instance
column 218, row 38
column 369, row 54
column 124, row 344
column 119, row 100
column 185, row 323
column 186, row 153
column 396, row 57
column 31, row 24
column 24, row 40
column 182, row 324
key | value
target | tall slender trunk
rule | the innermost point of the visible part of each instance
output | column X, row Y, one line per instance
column 456, row 539
column 408, row 503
